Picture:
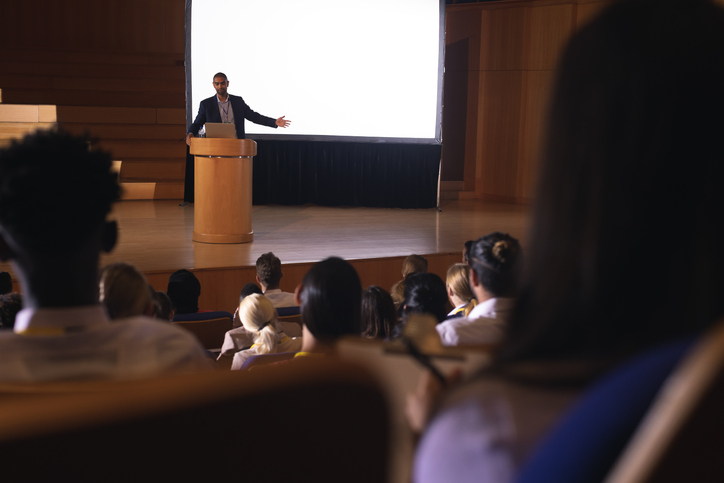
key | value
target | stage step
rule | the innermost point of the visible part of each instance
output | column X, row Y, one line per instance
column 153, row 153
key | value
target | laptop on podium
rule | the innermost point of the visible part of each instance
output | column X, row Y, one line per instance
column 224, row 130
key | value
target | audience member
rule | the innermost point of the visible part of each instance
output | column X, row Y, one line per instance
column 6, row 283
column 425, row 293
column 379, row 316
column 163, row 307
column 55, row 194
column 124, row 291
column 633, row 151
column 459, row 293
column 411, row 264
column 184, row 290
column 494, row 266
column 466, row 251
column 246, row 290
column 259, row 317
column 330, row 297
column 10, row 305
column 249, row 289
column 269, row 275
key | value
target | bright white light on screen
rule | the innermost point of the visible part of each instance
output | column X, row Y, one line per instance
column 344, row 68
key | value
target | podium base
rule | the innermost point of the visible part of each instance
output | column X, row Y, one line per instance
column 206, row 238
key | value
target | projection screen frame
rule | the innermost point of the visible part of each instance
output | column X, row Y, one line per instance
column 191, row 109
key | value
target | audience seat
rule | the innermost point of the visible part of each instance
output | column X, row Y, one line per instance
column 264, row 359
column 211, row 426
column 673, row 394
column 399, row 374
column 208, row 327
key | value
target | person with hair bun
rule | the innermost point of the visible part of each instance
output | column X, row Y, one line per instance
column 458, row 290
column 494, row 261
column 259, row 317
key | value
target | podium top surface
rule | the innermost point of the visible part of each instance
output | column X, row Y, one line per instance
column 218, row 147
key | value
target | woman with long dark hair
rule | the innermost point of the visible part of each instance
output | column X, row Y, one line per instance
column 625, row 248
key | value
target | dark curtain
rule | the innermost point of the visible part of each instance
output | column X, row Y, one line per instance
column 349, row 174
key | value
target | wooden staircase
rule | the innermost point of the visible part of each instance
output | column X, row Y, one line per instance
column 132, row 105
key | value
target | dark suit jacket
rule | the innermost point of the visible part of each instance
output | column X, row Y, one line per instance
column 209, row 112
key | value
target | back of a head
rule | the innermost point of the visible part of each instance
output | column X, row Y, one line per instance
column 54, row 175
column 496, row 260
column 414, row 264
column 10, row 305
column 258, row 316
column 248, row 289
column 269, row 269
column 123, row 291
column 330, row 299
column 164, row 306
column 425, row 293
column 379, row 316
column 458, row 280
column 6, row 283
column 184, row 290
column 626, row 237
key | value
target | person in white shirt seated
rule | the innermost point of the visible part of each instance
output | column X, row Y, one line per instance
column 258, row 316
column 494, row 262
column 459, row 293
column 55, row 195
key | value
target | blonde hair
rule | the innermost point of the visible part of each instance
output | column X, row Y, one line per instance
column 258, row 316
column 414, row 264
column 458, row 280
column 124, row 291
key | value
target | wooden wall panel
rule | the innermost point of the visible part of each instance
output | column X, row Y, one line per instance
column 547, row 31
column 110, row 25
column 502, row 36
column 587, row 11
column 499, row 136
column 220, row 287
column 521, row 42
column 535, row 100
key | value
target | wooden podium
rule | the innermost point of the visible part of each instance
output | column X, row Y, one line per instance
column 222, row 204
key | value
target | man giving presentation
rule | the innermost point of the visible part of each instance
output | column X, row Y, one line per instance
column 224, row 107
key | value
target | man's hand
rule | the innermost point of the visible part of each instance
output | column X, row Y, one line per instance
column 281, row 122
column 188, row 138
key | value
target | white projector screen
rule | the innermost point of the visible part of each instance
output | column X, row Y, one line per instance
column 340, row 70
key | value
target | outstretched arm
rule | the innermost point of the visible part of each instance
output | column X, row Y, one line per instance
column 281, row 122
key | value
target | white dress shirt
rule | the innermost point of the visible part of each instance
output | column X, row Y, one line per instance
column 484, row 325
column 280, row 299
column 82, row 343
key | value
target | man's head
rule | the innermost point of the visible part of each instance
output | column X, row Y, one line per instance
column 269, row 271
column 55, row 194
column 221, row 83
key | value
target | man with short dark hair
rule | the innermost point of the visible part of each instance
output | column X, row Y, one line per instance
column 269, row 275
column 226, row 108
column 55, row 195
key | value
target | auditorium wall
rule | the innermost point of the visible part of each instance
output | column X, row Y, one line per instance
column 502, row 55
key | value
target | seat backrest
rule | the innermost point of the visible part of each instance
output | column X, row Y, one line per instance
column 589, row 438
column 399, row 373
column 220, row 425
column 210, row 332
column 289, row 311
column 682, row 436
column 265, row 359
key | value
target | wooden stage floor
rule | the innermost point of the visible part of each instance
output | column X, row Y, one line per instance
column 155, row 236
